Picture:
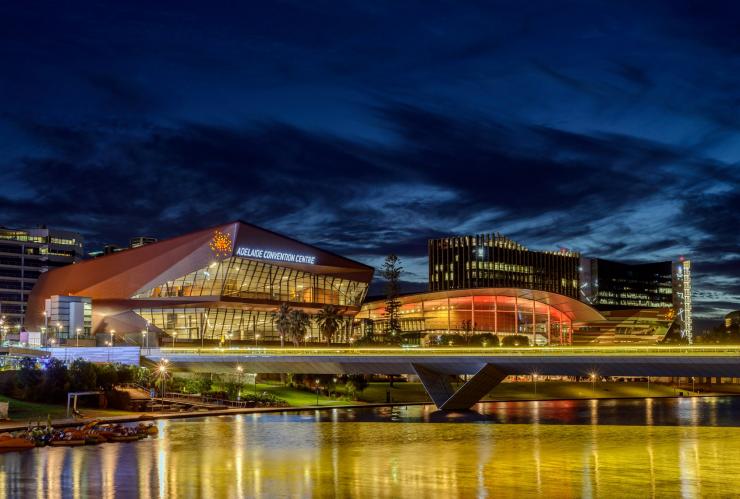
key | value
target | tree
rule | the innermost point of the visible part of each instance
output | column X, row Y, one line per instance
column 329, row 320
column 82, row 376
column 391, row 272
column 107, row 376
column 356, row 383
column 28, row 378
column 468, row 327
column 54, row 386
column 282, row 321
column 299, row 322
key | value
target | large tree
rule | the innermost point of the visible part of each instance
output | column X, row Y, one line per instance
column 329, row 319
column 281, row 318
column 391, row 272
column 299, row 322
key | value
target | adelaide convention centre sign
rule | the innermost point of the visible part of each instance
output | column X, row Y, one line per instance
column 278, row 256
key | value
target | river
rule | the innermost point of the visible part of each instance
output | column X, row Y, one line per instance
column 609, row 448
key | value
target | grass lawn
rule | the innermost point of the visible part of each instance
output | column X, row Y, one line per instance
column 294, row 397
column 20, row 410
column 414, row 392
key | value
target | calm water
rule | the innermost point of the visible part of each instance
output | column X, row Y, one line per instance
column 629, row 448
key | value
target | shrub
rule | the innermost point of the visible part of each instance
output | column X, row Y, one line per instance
column 515, row 340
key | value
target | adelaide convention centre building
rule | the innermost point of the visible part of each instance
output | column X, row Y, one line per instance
column 213, row 284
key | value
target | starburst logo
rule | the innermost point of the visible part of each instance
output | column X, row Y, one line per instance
column 221, row 243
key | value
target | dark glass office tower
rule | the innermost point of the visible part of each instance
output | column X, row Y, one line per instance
column 494, row 261
column 609, row 285
column 25, row 254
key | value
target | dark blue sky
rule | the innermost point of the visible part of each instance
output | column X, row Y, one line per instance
column 368, row 127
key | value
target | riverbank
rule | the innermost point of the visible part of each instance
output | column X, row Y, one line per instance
column 375, row 395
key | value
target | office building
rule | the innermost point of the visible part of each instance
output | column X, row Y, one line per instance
column 609, row 285
column 494, row 261
column 25, row 255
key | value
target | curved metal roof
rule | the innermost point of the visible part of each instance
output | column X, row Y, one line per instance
column 576, row 311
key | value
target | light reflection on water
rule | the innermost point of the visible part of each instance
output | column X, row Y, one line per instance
column 614, row 448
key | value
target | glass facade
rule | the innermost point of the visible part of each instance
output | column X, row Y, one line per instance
column 611, row 285
column 501, row 315
column 493, row 261
column 222, row 324
column 249, row 279
column 24, row 255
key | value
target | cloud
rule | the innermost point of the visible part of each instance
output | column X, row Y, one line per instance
column 542, row 186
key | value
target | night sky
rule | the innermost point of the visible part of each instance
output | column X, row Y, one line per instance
column 369, row 127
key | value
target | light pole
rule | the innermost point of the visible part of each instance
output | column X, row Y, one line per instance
column 77, row 333
column 692, row 387
column 317, row 391
column 256, row 337
column 534, row 378
column 163, row 375
column 593, row 384
column 59, row 330
column 143, row 338
column 239, row 371
column 112, row 332
column 107, row 343
column 174, row 335
column 648, row 386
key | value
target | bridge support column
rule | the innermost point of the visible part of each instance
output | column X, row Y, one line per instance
column 440, row 389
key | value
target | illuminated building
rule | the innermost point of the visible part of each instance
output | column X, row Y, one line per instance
column 490, row 284
column 732, row 320
column 135, row 242
column 546, row 318
column 494, row 261
column 609, row 285
column 214, row 284
column 682, row 298
column 26, row 254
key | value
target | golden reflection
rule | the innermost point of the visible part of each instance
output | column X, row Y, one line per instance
column 295, row 455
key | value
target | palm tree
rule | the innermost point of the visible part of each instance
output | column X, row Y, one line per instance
column 329, row 319
column 299, row 322
column 281, row 318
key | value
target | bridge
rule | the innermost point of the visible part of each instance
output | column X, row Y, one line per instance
column 435, row 366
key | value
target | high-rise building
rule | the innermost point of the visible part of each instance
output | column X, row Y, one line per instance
column 137, row 241
column 682, row 296
column 25, row 254
column 609, row 285
column 494, row 261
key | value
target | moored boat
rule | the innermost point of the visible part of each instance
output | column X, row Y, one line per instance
column 9, row 443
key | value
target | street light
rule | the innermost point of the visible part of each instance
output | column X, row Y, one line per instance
column 112, row 332
column 163, row 375
column 174, row 335
column 593, row 384
column 256, row 337
column 534, row 378
column 239, row 371
column 78, row 336
column 317, row 390
column 693, row 392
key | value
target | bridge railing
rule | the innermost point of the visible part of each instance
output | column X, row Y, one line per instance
column 449, row 351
